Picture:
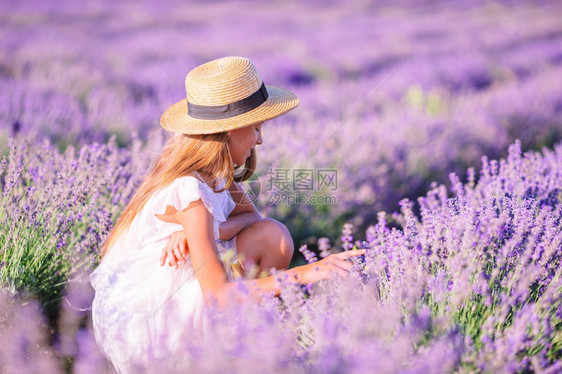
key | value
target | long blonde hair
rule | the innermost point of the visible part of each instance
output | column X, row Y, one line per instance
column 182, row 155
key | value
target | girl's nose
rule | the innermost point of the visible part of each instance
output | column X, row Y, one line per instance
column 260, row 139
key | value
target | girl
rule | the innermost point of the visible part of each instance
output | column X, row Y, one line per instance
column 191, row 205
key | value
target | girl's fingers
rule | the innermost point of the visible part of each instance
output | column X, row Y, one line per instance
column 332, row 271
column 177, row 253
column 183, row 248
column 348, row 254
column 163, row 256
column 172, row 258
column 341, row 266
column 345, row 265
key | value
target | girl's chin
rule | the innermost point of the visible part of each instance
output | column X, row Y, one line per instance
column 241, row 162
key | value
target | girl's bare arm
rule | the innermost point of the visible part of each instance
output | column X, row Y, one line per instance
column 236, row 223
column 305, row 274
column 243, row 203
column 198, row 225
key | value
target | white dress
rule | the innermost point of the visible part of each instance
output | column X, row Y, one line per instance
column 140, row 308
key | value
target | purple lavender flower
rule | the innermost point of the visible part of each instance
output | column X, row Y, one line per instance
column 324, row 247
column 309, row 256
column 347, row 236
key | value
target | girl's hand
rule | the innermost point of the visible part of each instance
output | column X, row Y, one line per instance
column 327, row 267
column 176, row 250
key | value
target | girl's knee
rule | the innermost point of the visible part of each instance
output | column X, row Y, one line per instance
column 277, row 236
column 266, row 242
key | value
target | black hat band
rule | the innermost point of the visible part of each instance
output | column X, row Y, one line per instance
column 229, row 110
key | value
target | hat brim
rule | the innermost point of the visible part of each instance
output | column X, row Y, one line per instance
column 176, row 119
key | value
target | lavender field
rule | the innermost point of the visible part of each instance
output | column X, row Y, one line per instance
column 441, row 122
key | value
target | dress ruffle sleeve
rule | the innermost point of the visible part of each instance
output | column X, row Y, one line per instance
column 178, row 197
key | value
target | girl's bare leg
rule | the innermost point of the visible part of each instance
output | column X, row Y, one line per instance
column 266, row 243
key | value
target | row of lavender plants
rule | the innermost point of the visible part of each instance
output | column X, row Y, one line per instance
column 56, row 208
column 392, row 97
column 471, row 284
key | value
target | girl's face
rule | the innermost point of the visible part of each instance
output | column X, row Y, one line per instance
column 242, row 141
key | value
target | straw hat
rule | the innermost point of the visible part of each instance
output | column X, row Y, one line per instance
column 225, row 94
